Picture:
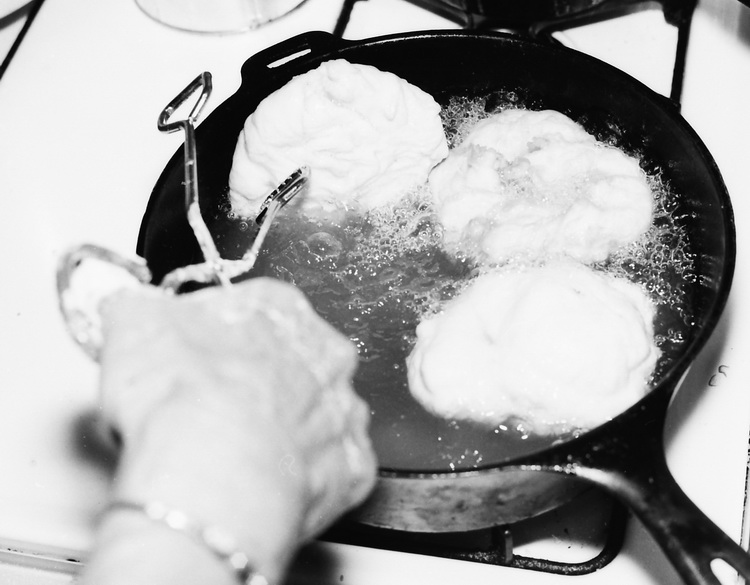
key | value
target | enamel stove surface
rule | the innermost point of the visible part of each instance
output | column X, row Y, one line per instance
column 51, row 490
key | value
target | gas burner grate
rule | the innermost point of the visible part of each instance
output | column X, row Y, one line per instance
column 539, row 19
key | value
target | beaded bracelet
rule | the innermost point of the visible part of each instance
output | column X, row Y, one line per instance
column 221, row 544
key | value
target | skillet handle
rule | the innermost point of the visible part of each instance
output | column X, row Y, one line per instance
column 630, row 464
column 689, row 538
column 306, row 45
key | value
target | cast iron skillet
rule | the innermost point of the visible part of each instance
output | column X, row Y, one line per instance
column 624, row 456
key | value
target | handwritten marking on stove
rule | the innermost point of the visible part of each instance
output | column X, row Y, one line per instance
column 716, row 378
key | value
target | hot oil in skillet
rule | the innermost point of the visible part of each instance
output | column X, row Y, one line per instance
column 375, row 277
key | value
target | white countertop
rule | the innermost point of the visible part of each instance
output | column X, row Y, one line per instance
column 79, row 154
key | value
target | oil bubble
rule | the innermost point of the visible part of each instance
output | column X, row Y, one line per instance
column 324, row 245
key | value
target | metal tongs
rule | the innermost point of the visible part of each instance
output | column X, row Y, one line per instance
column 81, row 315
column 215, row 268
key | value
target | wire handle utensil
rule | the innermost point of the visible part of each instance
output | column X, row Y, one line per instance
column 280, row 196
column 214, row 266
column 80, row 309
column 206, row 272
column 192, row 201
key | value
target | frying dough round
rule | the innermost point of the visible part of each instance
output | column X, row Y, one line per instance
column 367, row 135
column 534, row 185
column 558, row 348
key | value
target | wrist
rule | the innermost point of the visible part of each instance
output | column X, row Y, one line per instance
column 187, row 461
column 133, row 549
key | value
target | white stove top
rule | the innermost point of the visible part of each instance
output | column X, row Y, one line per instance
column 79, row 154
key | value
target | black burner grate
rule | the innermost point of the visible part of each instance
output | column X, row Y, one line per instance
column 540, row 18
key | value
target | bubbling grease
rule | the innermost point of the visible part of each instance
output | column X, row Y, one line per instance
column 375, row 277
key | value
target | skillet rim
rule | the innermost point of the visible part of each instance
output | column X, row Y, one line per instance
column 324, row 46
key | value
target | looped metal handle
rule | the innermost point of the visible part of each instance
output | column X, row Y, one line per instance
column 80, row 308
column 203, row 83
column 192, row 201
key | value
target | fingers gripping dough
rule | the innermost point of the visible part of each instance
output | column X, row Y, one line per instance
column 246, row 386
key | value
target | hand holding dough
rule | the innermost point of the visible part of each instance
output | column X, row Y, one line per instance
column 235, row 407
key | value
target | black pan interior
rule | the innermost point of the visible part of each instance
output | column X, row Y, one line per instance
column 607, row 102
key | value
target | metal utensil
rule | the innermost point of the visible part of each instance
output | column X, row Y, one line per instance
column 192, row 203
column 206, row 272
column 80, row 308
column 214, row 267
